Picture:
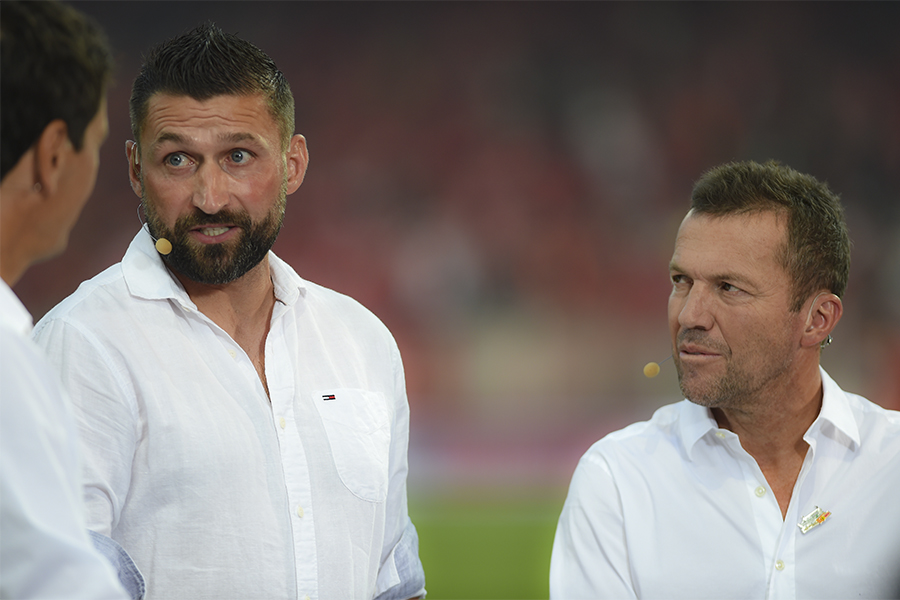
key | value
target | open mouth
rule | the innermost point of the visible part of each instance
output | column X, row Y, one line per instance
column 213, row 231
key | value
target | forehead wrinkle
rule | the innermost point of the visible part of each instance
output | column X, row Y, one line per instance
column 229, row 118
column 167, row 136
column 225, row 137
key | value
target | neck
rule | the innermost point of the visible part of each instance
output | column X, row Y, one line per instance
column 16, row 250
column 11, row 270
column 242, row 308
column 776, row 419
column 20, row 241
column 771, row 429
column 245, row 303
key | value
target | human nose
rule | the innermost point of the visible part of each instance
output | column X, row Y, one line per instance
column 696, row 310
column 211, row 189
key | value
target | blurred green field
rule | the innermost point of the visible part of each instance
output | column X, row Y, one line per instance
column 491, row 548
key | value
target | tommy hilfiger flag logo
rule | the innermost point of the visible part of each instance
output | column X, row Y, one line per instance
column 328, row 397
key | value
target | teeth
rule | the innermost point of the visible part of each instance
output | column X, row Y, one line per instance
column 213, row 231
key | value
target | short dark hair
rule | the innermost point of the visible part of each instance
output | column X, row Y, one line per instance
column 817, row 251
column 56, row 64
column 207, row 62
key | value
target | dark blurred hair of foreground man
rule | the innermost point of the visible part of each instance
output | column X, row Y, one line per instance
column 245, row 430
column 56, row 66
column 769, row 480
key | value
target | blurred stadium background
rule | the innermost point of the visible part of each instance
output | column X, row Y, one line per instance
column 501, row 183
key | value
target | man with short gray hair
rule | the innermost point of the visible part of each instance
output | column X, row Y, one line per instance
column 769, row 480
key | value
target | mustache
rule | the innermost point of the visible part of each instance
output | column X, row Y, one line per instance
column 198, row 218
column 700, row 338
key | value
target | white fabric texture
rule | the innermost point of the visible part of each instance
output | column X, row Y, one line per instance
column 45, row 551
column 215, row 492
column 675, row 508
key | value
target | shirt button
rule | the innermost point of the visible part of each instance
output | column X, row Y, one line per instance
column 306, row 598
column 720, row 435
column 760, row 491
column 232, row 353
column 779, row 565
column 300, row 511
column 281, row 422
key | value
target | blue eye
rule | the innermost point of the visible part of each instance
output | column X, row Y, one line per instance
column 176, row 160
column 239, row 156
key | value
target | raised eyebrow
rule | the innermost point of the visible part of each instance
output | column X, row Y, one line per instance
column 231, row 138
column 168, row 136
column 238, row 137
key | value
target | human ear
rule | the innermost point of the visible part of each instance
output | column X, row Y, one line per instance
column 824, row 313
column 297, row 161
column 133, row 153
column 51, row 152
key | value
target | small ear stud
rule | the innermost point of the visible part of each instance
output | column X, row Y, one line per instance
column 826, row 342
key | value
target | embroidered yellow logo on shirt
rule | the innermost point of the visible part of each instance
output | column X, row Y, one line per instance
column 813, row 519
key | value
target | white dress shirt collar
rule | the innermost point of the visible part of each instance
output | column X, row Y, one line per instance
column 697, row 421
column 835, row 411
column 147, row 277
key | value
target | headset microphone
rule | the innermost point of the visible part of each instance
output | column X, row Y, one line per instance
column 163, row 246
column 651, row 369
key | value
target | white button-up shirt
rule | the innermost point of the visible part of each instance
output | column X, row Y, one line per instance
column 213, row 490
column 45, row 551
column 675, row 508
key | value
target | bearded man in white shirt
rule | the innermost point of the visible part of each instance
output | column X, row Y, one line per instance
column 245, row 430
column 768, row 481
column 56, row 67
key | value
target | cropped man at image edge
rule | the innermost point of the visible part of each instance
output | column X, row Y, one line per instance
column 56, row 67
column 768, row 481
column 245, row 430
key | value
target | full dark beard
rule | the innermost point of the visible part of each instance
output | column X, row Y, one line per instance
column 217, row 264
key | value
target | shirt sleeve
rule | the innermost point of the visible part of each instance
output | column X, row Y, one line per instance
column 45, row 550
column 401, row 575
column 590, row 554
column 105, row 414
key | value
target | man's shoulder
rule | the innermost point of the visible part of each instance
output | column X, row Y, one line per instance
column 867, row 414
column 329, row 297
column 326, row 303
column 872, row 416
column 94, row 295
column 662, row 430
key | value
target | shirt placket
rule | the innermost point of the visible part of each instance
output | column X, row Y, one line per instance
column 280, row 381
column 776, row 542
column 280, row 374
column 783, row 573
column 777, row 535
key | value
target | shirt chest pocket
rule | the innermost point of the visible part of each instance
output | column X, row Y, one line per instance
column 357, row 424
